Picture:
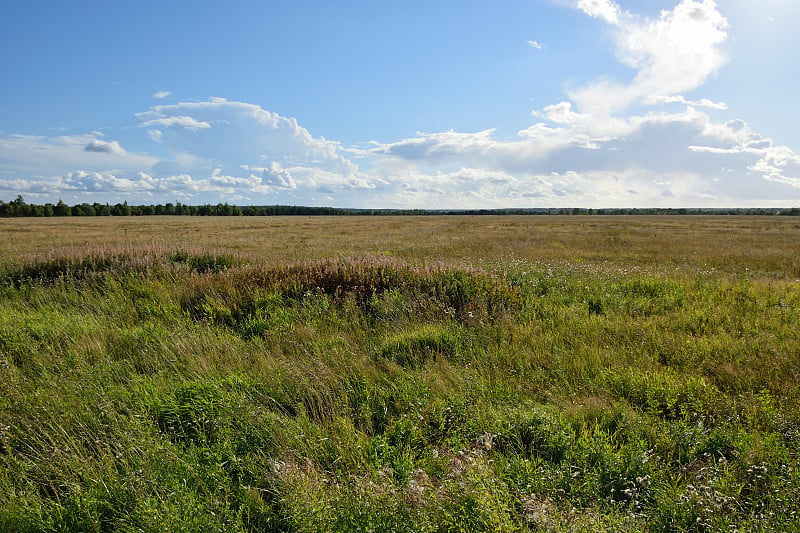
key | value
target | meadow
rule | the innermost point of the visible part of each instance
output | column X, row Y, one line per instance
column 491, row 373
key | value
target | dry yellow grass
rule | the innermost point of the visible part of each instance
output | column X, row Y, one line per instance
column 767, row 245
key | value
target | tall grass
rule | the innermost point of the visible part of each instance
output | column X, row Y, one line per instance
column 157, row 387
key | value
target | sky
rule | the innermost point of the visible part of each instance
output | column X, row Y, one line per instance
column 415, row 104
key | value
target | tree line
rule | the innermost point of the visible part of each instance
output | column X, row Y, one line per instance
column 20, row 208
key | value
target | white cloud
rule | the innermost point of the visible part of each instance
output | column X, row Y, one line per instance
column 275, row 176
column 703, row 102
column 604, row 9
column 188, row 123
column 561, row 113
column 672, row 54
column 75, row 185
column 219, row 132
column 82, row 181
column 431, row 146
column 779, row 165
column 104, row 147
column 666, row 158
column 49, row 156
column 219, row 149
column 162, row 94
column 536, row 45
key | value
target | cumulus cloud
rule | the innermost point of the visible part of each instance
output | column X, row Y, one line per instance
column 219, row 132
column 162, row 94
column 432, row 146
column 778, row 164
column 76, row 185
column 536, row 45
column 277, row 176
column 603, row 9
column 83, row 181
column 218, row 148
column 588, row 151
column 703, row 102
column 673, row 54
column 187, row 123
column 274, row 177
column 657, row 159
column 42, row 155
column 561, row 113
column 104, row 147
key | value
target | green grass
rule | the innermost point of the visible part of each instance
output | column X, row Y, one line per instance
column 151, row 389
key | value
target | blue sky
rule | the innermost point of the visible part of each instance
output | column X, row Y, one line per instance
column 446, row 104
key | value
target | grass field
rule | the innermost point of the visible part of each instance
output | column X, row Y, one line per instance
column 400, row 374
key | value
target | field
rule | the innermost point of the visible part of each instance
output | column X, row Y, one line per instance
column 492, row 373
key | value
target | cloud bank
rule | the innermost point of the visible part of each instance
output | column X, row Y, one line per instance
column 648, row 140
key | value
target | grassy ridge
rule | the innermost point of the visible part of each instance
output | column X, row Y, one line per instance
column 157, row 387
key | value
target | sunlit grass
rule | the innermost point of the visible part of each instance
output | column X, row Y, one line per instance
column 406, row 385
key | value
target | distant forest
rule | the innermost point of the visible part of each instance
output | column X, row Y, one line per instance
column 19, row 208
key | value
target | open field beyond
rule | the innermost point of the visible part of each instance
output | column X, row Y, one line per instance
column 767, row 244
column 494, row 373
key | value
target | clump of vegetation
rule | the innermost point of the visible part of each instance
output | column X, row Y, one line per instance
column 204, row 262
column 415, row 347
column 460, row 292
column 216, row 391
column 82, row 264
